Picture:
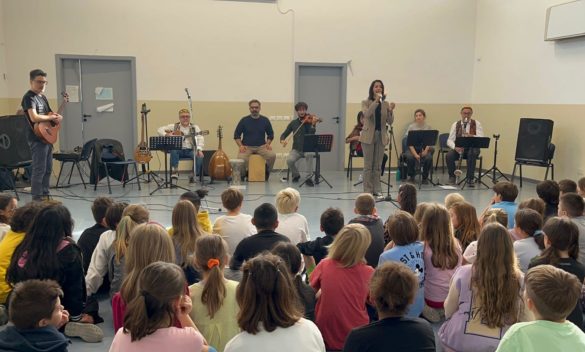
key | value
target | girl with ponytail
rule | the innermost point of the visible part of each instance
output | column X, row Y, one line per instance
column 148, row 322
column 215, row 307
column 561, row 242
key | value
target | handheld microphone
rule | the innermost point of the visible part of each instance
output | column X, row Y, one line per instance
column 187, row 91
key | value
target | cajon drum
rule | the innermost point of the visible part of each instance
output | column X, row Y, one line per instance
column 256, row 168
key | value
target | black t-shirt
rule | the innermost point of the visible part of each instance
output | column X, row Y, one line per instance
column 251, row 246
column 88, row 241
column 572, row 266
column 378, row 117
column 392, row 334
column 316, row 248
column 39, row 102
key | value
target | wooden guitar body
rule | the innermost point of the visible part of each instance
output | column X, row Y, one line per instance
column 48, row 131
column 219, row 165
column 142, row 153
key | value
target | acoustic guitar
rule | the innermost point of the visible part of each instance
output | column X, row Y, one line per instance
column 219, row 165
column 142, row 153
column 48, row 131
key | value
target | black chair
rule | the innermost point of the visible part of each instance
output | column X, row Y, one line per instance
column 353, row 153
column 548, row 164
column 7, row 169
column 443, row 149
column 74, row 159
column 109, row 160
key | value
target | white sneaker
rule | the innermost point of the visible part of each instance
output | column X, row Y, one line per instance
column 87, row 332
column 361, row 178
column 175, row 176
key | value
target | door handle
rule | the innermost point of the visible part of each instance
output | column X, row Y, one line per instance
column 336, row 118
column 85, row 116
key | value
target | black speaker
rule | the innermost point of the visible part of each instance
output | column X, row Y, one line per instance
column 534, row 137
column 14, row 146
column 207, row 154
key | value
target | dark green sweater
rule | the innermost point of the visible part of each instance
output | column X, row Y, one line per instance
column 300, row 136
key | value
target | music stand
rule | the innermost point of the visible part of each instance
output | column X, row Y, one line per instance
column 472, row 142
column 165, row 144
column 317, row 143
column 423, row 138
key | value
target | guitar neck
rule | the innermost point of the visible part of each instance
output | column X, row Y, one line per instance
column 62, row 107
column 142, row 128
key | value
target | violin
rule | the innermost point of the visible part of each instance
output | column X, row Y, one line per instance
column 312, row 119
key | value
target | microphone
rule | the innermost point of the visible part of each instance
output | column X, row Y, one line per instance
column 187, row 91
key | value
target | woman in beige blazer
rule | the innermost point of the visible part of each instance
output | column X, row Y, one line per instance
column 378, row 114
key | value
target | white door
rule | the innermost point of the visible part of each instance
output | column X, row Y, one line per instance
column 96, row 84
column 323, row 87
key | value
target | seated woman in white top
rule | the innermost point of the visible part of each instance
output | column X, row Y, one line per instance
column 270, row 316
column 290, row 223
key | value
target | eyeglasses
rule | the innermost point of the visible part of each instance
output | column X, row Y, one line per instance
column 40, row 82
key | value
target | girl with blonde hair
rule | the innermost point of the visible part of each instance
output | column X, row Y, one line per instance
column 186, row 231
column 133, row 215
column 484, row 297
column 344, row 270
column 442, row 256
column 148, row 243
column 215, row 307
column 465, row 223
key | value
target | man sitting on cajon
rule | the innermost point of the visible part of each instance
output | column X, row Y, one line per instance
column 257, row 135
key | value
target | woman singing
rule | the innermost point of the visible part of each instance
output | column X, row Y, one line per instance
column 378, row 114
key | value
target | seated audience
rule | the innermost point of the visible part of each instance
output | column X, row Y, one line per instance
column 548, row 191
column 98, row 265
column 149, row 243
column 195, row 198
column 421, row 208
column 485, row 297
column 89, row 237
column 536, row 204
column 572, row 206
column 504, row 198
column 8, row 205
column 117, row 252
column 392, row 289
column 214, row 298
column 331, row 222
column 550, row 295
column 561, row 239
column 290, row 223
column 453, row 198
column 48, row 252
column 365, row 208
column 37, row 315
column 186, row 231
column 269, row 317
column 442, row 256
column 406, row 249
column 266, row 220
column 567, row 186
column 407, row 198
column 489, row 216
column 148, row 323
column 235, row 225
column 530, row 241
column 344, row 270
column 465, row 223
column 292, row 257
column 19, row 225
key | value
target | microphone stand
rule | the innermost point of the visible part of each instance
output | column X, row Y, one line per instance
column 388, row 197
column 194, row 141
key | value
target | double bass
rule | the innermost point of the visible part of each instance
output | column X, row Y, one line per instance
column 219, row 165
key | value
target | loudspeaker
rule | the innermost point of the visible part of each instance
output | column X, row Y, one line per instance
column 534, row 137
column 14, row 146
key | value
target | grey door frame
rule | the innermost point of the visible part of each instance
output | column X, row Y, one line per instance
column 59, row 58
column 340, row 147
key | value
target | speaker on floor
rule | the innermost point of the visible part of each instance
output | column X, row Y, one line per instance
column 14, row 147
column 207, row 154
column 534, row 137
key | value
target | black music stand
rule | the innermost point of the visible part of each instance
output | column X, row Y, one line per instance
column 423, row 138
column 472, row 142
column 317, row 143
column 165, row 144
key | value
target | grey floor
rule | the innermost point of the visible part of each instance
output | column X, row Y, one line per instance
column 313, row 201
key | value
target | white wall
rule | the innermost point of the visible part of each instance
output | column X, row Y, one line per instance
column 232, row 51
column 514, row 65
column 3, row 68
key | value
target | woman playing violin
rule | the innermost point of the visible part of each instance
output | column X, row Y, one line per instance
column 305, row 124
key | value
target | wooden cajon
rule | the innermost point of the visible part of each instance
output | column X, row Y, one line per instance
column 256, row 168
